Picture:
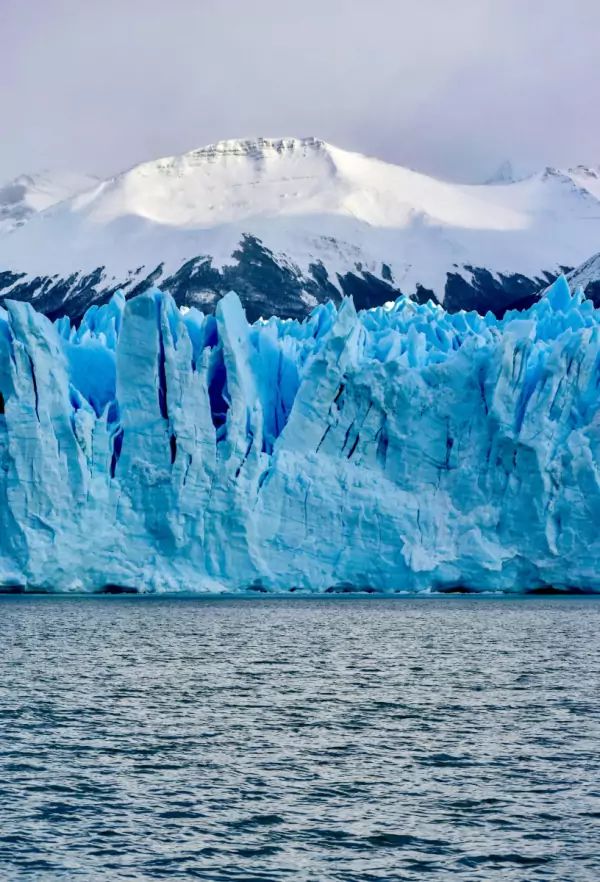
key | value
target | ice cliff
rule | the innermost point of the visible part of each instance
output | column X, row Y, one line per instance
column 401, row 448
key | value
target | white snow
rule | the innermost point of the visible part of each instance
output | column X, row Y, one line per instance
column 27, row 195
column 588, row 271
column 308, row 201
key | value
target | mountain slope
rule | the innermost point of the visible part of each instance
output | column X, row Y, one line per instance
column 291, row 222
column 587, row 276
column 27, row 195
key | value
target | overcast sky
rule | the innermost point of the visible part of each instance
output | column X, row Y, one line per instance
column 451, row 87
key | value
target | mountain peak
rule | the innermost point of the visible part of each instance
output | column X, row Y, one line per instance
column 585, row 171
column 257, row 147
column 504, row 174
column 26, row 195
column 252, row 149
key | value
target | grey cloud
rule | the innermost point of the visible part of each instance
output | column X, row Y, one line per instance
column 451, row 87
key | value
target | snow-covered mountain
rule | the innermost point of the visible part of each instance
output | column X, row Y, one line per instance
column 27, row 195
column 291, row 222
column 587, row 276
column 504, row 174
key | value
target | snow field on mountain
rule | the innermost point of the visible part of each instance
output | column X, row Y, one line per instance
column 310, row 202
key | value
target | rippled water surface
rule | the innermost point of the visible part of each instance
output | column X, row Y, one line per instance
column 429, row 739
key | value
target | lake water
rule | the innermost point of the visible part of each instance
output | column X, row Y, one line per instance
column 327, row 739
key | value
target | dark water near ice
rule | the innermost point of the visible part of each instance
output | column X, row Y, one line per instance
column 410, row 739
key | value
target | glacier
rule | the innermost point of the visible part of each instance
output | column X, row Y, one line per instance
column 402, row 448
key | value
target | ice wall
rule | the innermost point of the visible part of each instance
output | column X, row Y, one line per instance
column 402, row 448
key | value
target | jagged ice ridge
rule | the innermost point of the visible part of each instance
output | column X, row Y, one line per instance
column 398, row 449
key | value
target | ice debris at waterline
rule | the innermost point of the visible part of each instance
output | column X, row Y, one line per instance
column 397, row 449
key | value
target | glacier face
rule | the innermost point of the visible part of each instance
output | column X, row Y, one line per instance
column 397, row 449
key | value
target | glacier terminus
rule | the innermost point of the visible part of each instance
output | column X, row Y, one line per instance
column 401, row 448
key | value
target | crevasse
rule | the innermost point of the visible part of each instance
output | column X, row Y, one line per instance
column 397, row 449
